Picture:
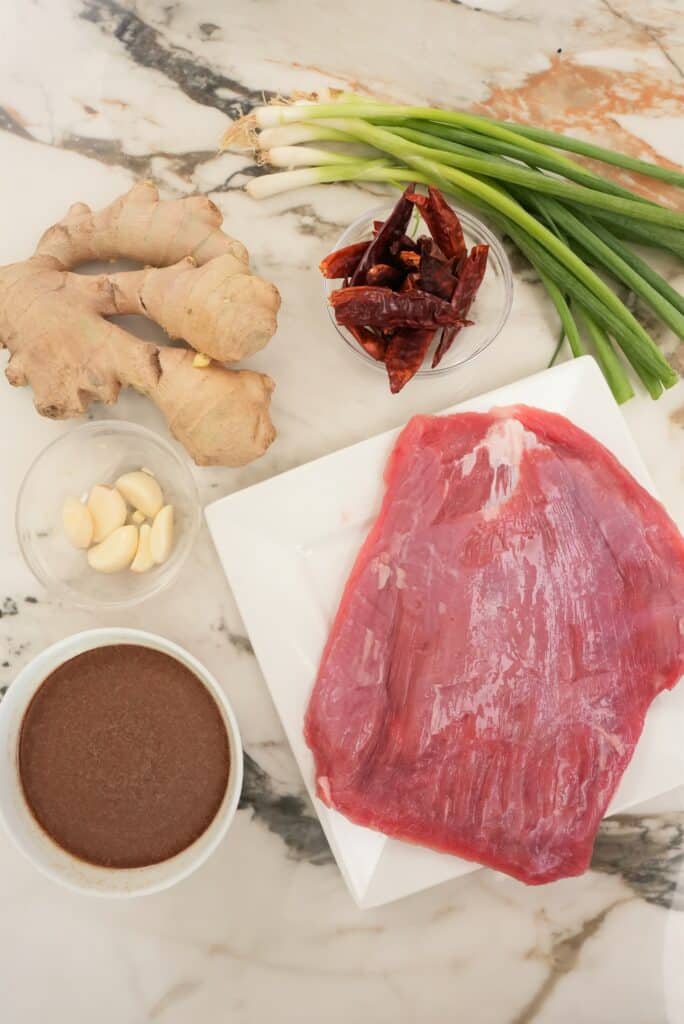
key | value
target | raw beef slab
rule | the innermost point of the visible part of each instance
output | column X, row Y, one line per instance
column 517, row 606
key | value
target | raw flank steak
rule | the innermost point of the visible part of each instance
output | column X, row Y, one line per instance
column 516, row 607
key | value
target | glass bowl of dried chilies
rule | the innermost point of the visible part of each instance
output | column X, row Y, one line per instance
column 418, row 288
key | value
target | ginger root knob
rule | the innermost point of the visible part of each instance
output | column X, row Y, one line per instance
column 197, row 285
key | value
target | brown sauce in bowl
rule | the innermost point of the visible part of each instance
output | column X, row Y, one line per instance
column 123, row 756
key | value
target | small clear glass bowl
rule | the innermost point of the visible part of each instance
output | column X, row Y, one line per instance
column 98, row 453
column 489, row 311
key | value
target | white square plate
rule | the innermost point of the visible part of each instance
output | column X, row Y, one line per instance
column 287, row 546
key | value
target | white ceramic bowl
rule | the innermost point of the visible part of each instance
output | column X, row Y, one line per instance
column 50, row 858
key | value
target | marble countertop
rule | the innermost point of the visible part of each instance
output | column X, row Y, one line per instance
column 97, row 93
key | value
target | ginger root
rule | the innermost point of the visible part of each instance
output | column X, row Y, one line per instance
column 198, row 287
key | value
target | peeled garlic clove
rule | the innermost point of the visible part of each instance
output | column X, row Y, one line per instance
column 161, row 540
column 141, row 491
column 143, row 557
column 137, row 518
column 108, row 511
column 116, row 552
column 77, row 522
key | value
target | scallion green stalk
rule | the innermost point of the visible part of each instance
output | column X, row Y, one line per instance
column 534, row 139
column 286, row 181
column 308, row 156
column 645, row 234
column 644, row 269
column 590, row 149
column 612, row 261
column 608, row 361
column 502, row 170
column 647, row 360
column 471, row 142
column 565, row 315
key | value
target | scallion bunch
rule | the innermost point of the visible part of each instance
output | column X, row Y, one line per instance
column 570, row 222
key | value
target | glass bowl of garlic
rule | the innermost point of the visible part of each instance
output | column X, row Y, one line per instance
column 107, row 514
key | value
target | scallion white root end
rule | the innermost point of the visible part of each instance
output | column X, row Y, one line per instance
column 304, row 156
column 288, row 135
column 273, row 114
column 240, row 134
column 273, row 184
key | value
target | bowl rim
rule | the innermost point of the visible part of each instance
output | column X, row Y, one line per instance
column 475, row 226
column 17, row 700
column 181, row 550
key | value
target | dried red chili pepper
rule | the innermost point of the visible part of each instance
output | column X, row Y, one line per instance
column 436, row 276
column 343, row 262
column 393, row 228
column 457, row 265
column 410, row 282
column 444, row 225
column 405, row 355
column 366, row 306
column 398, row 291
column 370, row 342
column 409, row 260
column 472, row 273
column 403, row 244
column 384, row 275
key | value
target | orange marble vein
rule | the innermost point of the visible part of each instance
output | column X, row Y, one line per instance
column 584, row 101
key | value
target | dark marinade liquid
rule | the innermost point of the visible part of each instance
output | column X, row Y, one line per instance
column 123, row 756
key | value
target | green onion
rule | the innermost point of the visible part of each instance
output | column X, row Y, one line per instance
column 566, row 318
column 642, row 268
column 608, row 361
column 557, row 349
column 307, row 156
column 635, row 343
column 532, row 138
column 392, row 142
column 565, row 218
column 286, row 181
column 498, row 200
column 643, row 357
column 606, row 156
column 651, row 234
column 429, row 134
column 624, row 271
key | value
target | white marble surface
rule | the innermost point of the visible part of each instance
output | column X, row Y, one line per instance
column 95, row 93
